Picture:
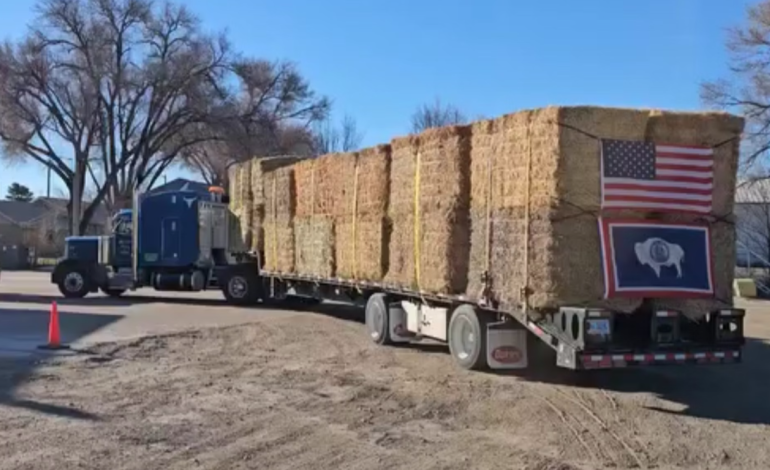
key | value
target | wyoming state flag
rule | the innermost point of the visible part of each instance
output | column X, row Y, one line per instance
column 656, row 259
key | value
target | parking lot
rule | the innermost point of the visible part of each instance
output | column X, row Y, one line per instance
column 177, row 382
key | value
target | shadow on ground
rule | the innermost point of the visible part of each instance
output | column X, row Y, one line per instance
column 728, row 392
column 103, row 301
column 21, row 332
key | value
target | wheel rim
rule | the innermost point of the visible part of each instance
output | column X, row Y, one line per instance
column 375, row 320
column 464, row 338
column 237, row 287
column 73, row 282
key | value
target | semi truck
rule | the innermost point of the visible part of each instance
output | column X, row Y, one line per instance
column 187, row 241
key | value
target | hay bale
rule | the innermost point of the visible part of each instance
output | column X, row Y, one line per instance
column 259, row 167
column 326, row 194
column 280, row 197
column 361, row 228
column 233, row 190
column 536, row 191
column 429, row 201
column 314, row 246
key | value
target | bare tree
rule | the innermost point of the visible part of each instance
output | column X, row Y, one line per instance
column 123, row 87
column 330, row 138
column 747, row 89
column 436, row 114
column 270, row 115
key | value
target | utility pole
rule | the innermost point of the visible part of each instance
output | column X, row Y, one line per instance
column 48, row 190
column 76, row 213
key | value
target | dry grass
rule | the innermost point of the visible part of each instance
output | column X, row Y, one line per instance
column 429, row 201
column 536, row 194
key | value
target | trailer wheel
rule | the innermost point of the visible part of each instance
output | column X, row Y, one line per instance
column 242, row 287
column 73, row 283
column 467, row 337
column 377, row 319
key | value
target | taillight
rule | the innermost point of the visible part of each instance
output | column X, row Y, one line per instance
column 727, row 325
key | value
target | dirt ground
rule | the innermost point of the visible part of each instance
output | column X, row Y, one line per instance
column 311, row 392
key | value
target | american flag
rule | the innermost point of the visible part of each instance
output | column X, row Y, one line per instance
column 647, row 176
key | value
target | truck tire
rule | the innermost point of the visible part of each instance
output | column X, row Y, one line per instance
column 242, row 287
column 73, row 283
column 378, row 319
column 467, row 337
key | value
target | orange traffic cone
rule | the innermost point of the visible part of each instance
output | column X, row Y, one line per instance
column 54, row 335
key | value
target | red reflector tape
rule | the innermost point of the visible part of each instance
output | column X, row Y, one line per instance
column 600, row 360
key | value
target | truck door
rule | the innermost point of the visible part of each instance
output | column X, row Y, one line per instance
column 123, row 241
column 171, row 241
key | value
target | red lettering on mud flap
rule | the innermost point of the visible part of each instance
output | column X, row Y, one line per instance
column 506, row 355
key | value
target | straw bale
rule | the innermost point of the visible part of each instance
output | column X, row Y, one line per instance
column 324, row 184
column 441, row 228
column 233, row 190
column 259, row 167
column 314, row 242
column 541, row 166
column 280, row 195
column 344, row 197
column 362, row 230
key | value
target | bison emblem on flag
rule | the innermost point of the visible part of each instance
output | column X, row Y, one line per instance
column 656, row 259
column 657, row 253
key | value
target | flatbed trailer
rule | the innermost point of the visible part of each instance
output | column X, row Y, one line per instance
column 481, row 336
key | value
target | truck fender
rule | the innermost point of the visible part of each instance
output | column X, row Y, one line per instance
column 97, row 275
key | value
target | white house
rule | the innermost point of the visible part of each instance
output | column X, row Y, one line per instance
column 752, row 213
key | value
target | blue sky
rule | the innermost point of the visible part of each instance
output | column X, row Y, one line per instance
column 378, row 60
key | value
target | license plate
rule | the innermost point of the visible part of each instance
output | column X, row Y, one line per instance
column 598, row 327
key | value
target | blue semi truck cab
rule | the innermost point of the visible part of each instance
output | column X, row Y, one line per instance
column 170, row 241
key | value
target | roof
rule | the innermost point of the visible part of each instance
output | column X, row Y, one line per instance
column 27, row 212
column 101, row 215
column 753, row 192
column 22, row 212
column 181, row 184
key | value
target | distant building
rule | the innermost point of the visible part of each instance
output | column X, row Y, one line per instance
column 752, row 214
column 42, row 225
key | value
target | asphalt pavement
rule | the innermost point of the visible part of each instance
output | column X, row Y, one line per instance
column 26, row 298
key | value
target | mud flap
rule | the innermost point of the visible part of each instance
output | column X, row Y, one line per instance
column 506, row 346
column 397, row 325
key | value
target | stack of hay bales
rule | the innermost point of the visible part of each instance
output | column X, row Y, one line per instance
column 234, row 191
column 278, row 226
column 536, row 196
column 242, row 199
column 361, row 227
column 323, row 185
column 259, row 166
column 340, row 227
column 429, row 202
